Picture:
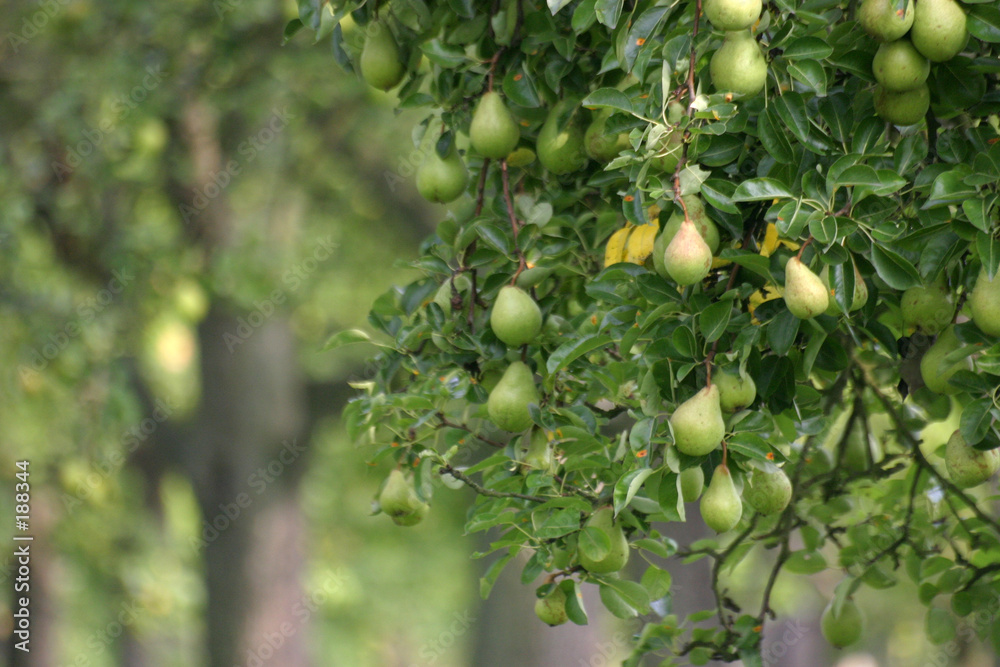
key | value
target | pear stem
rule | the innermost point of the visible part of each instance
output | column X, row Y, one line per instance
column 808, row 241
column 513, row 219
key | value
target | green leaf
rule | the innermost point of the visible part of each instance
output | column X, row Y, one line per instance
column 773, row 137
column 444, row 55
column 983, row 21
column 346, row 337
column 976, row 420
column 608, row 12
column 574, row 601
column 713, row 320
column 519, row 87
column 989, row 252
column 493, row 572
column 549, row 525
column 556, row 5
column 616, row 604
column 291, row 28
column 805, row 562
column 568, row 352
column 607, row 98
column 949, row 188
column 781, row 332
column 896, row 271
column 760, row 189
column 940, row 626
column 628, row 486
column 643, row 27
column 632, row 593
column 810, row 73
column 812, row 48
column 594, row 542
column 670, row 498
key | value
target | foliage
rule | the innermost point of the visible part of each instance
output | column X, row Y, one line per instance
column 805, row 169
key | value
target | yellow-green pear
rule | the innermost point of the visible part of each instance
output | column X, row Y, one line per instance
column 736, row 392
column 939, row 31
column 600, row 146
column 692, row 483
column 400, row 501
column 968, row 466
column 858, row 456
column 560, row 148
column 538, row 455
column 805, row 294
column 984, row 302
column 860, row 292
column 381, row 66
column 670, row 151
column 617, row 556
column 880, row 19
column 768, row 492
column 904, row 108
column 843, row 628
column 442, row 180
column 732, row 14
column 721, row 507
column 898, row 66
column 508, row 403
column 697, row 423
column 551, row 609
column 687, row 259
column 705, row 225
column 928, row 309
column 738, row 66
column 516, row 318
column 933, row 369
column 493, row 132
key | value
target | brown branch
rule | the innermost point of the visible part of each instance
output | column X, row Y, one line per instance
column 515, row 226
column 445, row 422
column 482, row 490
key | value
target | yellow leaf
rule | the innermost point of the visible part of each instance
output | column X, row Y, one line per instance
column 614, row 252
column 771, row 241
column 768, row 293
column 640, row 244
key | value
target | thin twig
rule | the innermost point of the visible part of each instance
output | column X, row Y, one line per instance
column 483, row 491
column 515, row 226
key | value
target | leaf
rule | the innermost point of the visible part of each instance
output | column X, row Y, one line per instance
column 983, row 21
column 574, row 601
column 781, row 332
column 291, row 28
column 805, row 562
column 616, row 604
column 812, row 48
column 346, row 337
column 555, row 524
column 896, row 271
column 520, row 88
column 310, row 13
column 607, row 98
column 594, row 542
column 989, row 253
column 628, row 486
column 493, row 572
column 643, row 27
column 632, row 593
column 445, row 55
column 949, row 188
column 608, row 12
column 774, row 138
column 976, row 420
column 556, row 5
column 713, row 320
column 670, row 497
column 810, row 73
column 760, row 189
column 940, row 626
column 568, row 352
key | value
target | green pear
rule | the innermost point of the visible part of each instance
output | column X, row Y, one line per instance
column 984, row 302
column 968, row 466
column 494, row 132
column 898, row 66
column 516, row 319
column 805, row 294
column 381, row 66
column 904, row 108
column 732, row 14
column 858, row 456
column 844, row 628
column 928, row 309
column 617, row 556
column 442, row 180
column 508, row 403
column 860, row 292
column 880, row 19
column 560, row 148
column 768, row 492
column 538, row 455
column 939, row 31
column 736, row 392
column 738, row 66
column 705, row 225
column 697, row 423
column 934, row 371
column 551, row 609
column 721, row 507
column 400, row 501
column 687, row 259
column 692, row 483
column 600, row 146
column 669, row 154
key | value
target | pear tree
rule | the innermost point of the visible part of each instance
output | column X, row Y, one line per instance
column 709, row 261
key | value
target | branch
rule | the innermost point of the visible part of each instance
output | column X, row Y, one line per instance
column 462, row 427
column 482, row 490
column 513, row 219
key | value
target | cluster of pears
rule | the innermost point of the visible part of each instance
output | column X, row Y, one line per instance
column 516, row 320
column 738, row 66
column 400, row 501
column 683, row 250
column 912, row 38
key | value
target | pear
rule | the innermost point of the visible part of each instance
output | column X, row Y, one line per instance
column 738, row 66
column 551, row 609
column 928, row 309
column 692, row 483
column 939, row 31
column 380, row 62
column 805, row 294
column 516, row 318
column 736, row 392
column 698, row 424
column 399, row 500
column 860, row 292
column 670, row 151
column 880, row 19
column 440, row 179
column 857, row 451
column 539, row 453
column 617, row 556
column 687, row 259
column 968, row 466
column 904, row 108
column 493, row 132
column 600, row 146
column 842, row 629
column 985, row 304
column 768, row 492
column 508, row 403
column 721, row 507
column 934, row 373
column 560, row 149
column 732, row 14
column 705, row 225
column 899, row 67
